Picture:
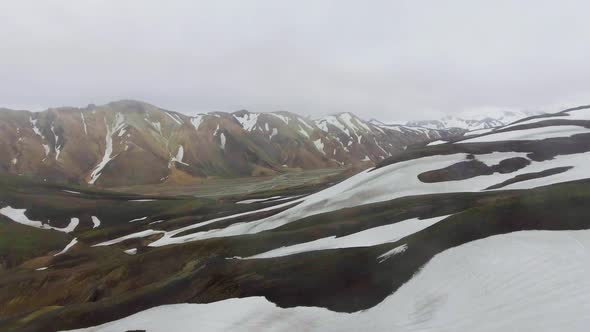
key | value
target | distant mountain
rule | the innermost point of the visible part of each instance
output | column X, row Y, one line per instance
column 474, row 121
column 130, row 142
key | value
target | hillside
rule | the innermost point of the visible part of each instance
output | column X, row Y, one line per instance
column 130, row 143
column 484, row 233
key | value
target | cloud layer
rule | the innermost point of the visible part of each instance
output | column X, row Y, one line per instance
column 386, row 59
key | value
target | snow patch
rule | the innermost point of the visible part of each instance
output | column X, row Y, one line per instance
column 118, row 124
column 222, row 138
column 248, row 120
column 68, row 247
column 529, row 134
column 197, row 120
column 95, row 222
column 84, row 123
column 319, row 145
column 392, row 252
column 138, row 219
column 522, row 281
column 174, row 117
column 366, row 238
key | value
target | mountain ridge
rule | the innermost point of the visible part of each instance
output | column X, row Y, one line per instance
column 130, row 142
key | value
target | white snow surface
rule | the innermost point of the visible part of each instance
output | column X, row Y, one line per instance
column 481, row 131
column 281, row 117
column 530, row 134
column 583, row 114
column 68, row 247
column 71, row 192
column 178, row 158
column 118, row 124
column 197, row 121
column 145, row 233
column 170, row 238
column 248, row 121
column 18, row 215
column 57, row 147
column 523, row 281
column 38, row 132
column 174, row 117
column 138, row 219
column 131, row 251
column 319, row 145
column 70, row 227
column 256, row 200
column 95, row 221
column 437, row 142
column 392, row 252
column 223, row 141
column 84, row 123
column 369, row 237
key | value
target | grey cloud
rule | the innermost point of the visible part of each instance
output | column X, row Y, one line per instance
column 384, row 59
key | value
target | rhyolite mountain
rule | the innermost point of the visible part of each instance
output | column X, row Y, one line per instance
column 130, row 142
column 489, row 232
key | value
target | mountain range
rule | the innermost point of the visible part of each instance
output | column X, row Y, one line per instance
column 486, row 232
column 130, row 142
column 474, row 120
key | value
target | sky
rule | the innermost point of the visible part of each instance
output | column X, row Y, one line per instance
column 388, row 60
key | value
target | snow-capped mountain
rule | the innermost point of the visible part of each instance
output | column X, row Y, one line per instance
column 130, row 142
column 486, row 233
column 474, row 120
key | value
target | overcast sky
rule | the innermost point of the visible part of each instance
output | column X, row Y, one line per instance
column 386, row 59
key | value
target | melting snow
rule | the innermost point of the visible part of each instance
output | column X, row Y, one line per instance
column 178, row 158
column 57, row 147
column 222, row 138
column 132, row 251
column 281, row 117
column 275, row 132
column 71, row 192
column 141, row 234
column 38, row 132
column 369, row 237
column 70, row 245
column 84, row 123
column 248, row 120
column 392, row 252
column 95, row 222
column 375, row 186
column 436, row 142
column 250, row 201
column 197, row 121
column 138, row 219
column 523, row 281
column 319, row 145
column 174, row 117
column 18, row 215
column 107, row 157
column 530, row 134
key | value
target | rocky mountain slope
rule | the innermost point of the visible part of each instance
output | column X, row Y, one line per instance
column 130, row 142
column 486, row 233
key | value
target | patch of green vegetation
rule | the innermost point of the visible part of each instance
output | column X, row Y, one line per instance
column 19, row 243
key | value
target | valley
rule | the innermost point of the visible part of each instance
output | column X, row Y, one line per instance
column 411, row 242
